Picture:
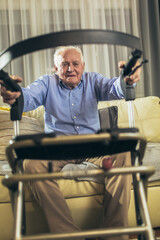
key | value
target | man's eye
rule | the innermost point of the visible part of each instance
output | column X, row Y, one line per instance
column 64, row 64
column 76, row 64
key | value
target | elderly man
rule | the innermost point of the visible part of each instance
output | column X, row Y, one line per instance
column 70, row 99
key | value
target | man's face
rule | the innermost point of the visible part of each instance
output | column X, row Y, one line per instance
column 70, row 67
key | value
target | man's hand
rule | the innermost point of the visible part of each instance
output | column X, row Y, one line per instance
column 8, row 96
column 134, row 77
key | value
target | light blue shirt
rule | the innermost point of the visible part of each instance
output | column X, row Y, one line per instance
column 71, row 111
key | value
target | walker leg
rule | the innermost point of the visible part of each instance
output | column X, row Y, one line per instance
column 140, row 195
column 18, row 211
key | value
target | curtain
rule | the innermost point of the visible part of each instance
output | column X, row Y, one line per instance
column 149, row 18
column 21, row 19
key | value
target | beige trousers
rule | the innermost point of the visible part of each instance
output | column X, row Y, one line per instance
column 58, row 215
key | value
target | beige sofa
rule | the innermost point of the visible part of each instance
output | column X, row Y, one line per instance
column 84, row 198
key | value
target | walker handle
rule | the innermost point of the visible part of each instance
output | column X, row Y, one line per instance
column 17, row 107
column 127, row 71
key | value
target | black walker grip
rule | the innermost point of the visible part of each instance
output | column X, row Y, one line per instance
column 16, row 108
column 135, row 55
column 127, row 71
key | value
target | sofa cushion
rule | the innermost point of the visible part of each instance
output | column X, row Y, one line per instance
column 108, row 117
column 27, row 126
column 152, row 158
column 147, row 115
column 37, row 113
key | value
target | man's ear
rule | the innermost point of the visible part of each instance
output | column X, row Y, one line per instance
column 83, row 65
column 55, row 68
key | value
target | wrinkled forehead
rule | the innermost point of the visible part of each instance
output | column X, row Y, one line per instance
column 70, row 55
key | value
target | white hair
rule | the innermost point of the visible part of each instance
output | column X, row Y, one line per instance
column 62, row 49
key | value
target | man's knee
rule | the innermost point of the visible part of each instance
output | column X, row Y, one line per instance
column 122, row 159
column 34, row 166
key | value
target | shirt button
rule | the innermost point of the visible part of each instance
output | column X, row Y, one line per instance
column 77, row 126
column 75, row 117
column 72, row 104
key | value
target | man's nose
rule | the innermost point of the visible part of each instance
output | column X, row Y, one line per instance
column 70, row 68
